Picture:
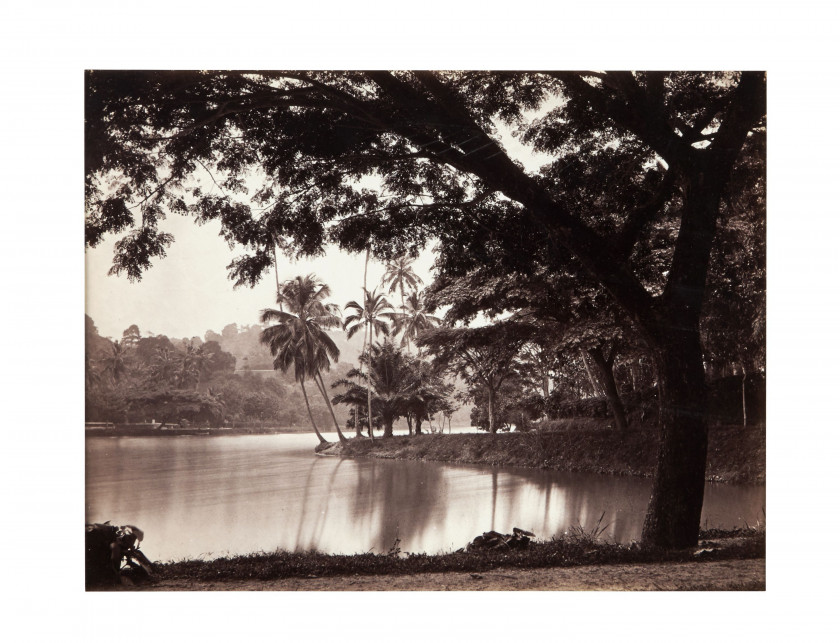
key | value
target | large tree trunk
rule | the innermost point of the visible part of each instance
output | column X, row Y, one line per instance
column 607, row 380
column 323, row 389
column 387, row 426
column 673, row 516
column 311, row 419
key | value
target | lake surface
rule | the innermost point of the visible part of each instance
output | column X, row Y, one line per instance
column 205, row 497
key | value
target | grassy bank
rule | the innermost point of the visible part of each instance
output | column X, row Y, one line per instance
column 574, row 550
column 736, row 453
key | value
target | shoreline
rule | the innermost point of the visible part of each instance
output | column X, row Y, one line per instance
column 732, row 560
column 150, row 431
column 736, row 454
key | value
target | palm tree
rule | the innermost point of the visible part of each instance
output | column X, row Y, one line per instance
column 429, row 393
column 399, row 274
column 414, row 319
column 164, row 367
column 298, row 338
column 373, row 317
column 115, row 365
column 389, row 381
column 92, row 376
column 188, row 372
column 194, row 363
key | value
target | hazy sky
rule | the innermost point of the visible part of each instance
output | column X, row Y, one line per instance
column 188, row 292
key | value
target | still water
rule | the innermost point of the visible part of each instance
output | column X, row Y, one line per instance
column 205, row 497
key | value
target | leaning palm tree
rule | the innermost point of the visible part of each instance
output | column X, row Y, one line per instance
column 374, row 317
column 414, row 319
column 298, row 337
column 399, row 274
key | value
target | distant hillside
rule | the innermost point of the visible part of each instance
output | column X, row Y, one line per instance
column 243, row 342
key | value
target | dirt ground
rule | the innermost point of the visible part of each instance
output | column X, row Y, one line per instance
column 713, row 575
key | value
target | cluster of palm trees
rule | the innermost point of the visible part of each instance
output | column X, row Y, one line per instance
column 298, row 340
column 184, row 369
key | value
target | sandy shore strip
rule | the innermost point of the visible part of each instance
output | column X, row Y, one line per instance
column 712, row 575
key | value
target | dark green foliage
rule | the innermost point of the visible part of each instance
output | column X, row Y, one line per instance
column 514, row 408
column 593, row 407
column 736, row 454
column 149, row 378
column 176, row 405
column 400, row 386
column 483, row 357
column 726, row 398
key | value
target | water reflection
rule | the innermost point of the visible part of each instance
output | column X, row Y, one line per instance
column 229, row 495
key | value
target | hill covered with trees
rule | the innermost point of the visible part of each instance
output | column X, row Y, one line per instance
column 138, row 379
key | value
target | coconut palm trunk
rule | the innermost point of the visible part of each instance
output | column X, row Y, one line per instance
column 370, row 412
column 368, row 330
column 744, row 392
column 311, row 419
column 361, row 371
column 321, row 387
column 298, row 339
column 370, row 317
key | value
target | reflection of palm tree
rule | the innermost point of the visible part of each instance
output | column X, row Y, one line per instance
column 298, row 337
column 373, row 317
column 399, row 499
column 414, row 319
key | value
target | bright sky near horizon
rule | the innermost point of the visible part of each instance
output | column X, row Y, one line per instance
column 188, row 293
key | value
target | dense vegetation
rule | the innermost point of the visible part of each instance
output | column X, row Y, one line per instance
column 631, row 259
column 139, row 379
column 736, row 454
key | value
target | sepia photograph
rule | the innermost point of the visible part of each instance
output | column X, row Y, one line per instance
column 431, row 322
column 425, row 330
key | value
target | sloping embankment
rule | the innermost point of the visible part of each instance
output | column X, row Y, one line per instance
column 736, row 454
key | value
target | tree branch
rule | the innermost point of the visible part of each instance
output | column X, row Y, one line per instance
column 625, row 239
